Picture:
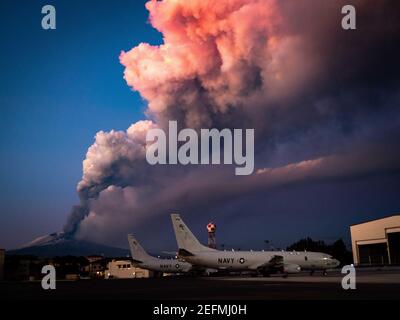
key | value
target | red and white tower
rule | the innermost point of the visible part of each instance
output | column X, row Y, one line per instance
column 211, row 228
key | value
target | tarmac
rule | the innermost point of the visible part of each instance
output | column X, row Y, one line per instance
column 370, row 284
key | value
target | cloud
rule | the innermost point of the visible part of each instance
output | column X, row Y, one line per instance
column 119, row 210
column 323, row 103
column 215, row 57
column 116, row 158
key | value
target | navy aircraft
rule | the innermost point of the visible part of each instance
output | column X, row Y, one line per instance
column 259, row 262
column 142, row 259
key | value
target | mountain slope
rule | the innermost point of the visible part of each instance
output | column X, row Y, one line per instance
column 57, row 244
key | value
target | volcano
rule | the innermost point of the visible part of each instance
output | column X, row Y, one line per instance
column 62, row 244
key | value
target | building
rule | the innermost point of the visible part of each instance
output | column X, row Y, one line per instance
column 2, row 253
column 123, row 269
column 96, row 267
column 376, row 242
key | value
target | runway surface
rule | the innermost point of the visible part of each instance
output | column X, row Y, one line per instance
column 370, row 285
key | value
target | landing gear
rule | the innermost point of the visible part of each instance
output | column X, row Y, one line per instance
column 324, row 273
column 285, row 275
column 311, row 272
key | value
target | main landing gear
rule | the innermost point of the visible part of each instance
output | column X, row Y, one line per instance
column 324, row 273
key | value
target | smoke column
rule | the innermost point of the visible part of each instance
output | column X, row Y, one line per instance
column 275, row 66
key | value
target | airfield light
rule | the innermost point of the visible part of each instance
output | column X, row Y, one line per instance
column 211, row 228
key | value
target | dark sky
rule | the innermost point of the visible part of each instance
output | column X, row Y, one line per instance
column 324, row 103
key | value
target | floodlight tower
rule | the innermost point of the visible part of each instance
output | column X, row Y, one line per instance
column 211, row 228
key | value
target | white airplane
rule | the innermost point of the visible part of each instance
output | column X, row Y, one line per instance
column 142, row 259
column 260, row 262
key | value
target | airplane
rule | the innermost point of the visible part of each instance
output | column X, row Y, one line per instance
column 142, row 259
column 259, row 262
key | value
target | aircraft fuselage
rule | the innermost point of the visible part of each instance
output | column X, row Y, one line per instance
column 251, row 260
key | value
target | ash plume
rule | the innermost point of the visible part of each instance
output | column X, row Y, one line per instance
column 284, row 68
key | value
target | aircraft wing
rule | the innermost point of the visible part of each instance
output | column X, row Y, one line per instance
column 275, row 263
column 201, row 270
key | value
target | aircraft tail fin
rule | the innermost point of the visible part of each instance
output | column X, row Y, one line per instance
column 187, row 242
column 137, row 252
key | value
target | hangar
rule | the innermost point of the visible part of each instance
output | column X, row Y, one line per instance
column 376, row 242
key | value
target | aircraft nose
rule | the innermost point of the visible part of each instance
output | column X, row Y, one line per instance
column 336, row 262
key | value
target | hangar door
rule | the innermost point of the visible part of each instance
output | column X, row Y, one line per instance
column 394, row 247
column 375, row 253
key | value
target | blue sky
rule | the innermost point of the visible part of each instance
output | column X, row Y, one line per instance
column 58, row 88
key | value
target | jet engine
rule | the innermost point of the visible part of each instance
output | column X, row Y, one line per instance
column 291, row 268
